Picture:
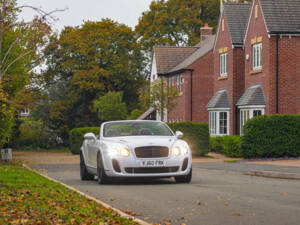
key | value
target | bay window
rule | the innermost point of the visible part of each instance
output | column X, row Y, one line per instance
column 249, row 113
column 219, row 123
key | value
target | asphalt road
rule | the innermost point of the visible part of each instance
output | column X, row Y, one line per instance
column 218, row 194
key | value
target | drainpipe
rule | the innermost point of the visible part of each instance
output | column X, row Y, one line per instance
column 191, row 114
column 277, row 74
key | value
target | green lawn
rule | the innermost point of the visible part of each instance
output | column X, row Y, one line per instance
column 28, row 198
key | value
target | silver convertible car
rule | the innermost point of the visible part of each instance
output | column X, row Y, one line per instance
column 135, row 149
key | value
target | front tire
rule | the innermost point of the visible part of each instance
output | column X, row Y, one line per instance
column 184, row 179
column 102, row 177
column 84, row 174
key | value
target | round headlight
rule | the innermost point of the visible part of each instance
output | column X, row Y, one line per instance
column 125, row 152
column 176, row 151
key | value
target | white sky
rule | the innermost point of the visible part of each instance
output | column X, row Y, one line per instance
column 122, row 11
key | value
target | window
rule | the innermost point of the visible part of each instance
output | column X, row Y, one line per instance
column 223, row 64
column 256, row 11
column 177, row 81
column 181, row 84
column 219, row 123
column 170, row 81
column 246, row 114
column 257, row 50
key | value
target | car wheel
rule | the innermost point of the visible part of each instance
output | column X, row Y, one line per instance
column 84, row 174
column 184, row 179
column 102, row 177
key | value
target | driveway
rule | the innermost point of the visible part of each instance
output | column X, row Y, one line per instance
column 219, row 194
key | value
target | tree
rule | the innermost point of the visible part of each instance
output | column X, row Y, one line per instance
column 20, row 45
column 135, row 114
column 110, row 107
column 87, row 62
column 159, row 96
column 176, row 22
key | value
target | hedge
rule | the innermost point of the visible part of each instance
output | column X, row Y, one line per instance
column 271, row 137
column 227, row 145
column 195, row 134
column 76, row 137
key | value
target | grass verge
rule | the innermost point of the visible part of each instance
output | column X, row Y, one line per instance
column 28, row 198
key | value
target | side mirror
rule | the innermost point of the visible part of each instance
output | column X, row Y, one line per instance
column 90, row 136
column 179, row 134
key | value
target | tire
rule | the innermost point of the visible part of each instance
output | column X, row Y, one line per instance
column 84, row 174
column 102, row 177
column 184, row 179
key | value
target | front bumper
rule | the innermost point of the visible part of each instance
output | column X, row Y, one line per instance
column 129, row 167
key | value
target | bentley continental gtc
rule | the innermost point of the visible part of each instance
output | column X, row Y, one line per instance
column 125, row 149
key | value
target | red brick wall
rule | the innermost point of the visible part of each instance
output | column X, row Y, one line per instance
column 181, row 111
column 257, row 28
column 289, row 67
column 202, row 91
column 202, row 86
column 235, row 72
column 289, row 75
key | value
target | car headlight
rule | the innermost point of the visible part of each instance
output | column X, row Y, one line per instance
column 178, row 150
column 125, row 152
column 115, row 149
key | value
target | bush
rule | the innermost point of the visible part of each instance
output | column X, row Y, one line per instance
column 232, row 146
column 135, row 114
column 271, row 136
column 195, row 134
column 32, row 135
column 227, row 145
column 76, row 137
column 216, row 144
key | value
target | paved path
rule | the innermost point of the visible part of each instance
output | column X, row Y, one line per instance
column 218, row 194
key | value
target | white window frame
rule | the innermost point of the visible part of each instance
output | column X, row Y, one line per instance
column 257, row 56
column 214, row 122
column 223, row 64
column 247, row 113
column 181, row 81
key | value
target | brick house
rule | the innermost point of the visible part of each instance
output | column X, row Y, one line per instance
column 189, row 70
column 272, row 60
column 250, row 68
column 228, row 76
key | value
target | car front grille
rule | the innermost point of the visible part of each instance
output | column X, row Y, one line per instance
column 152, row 152
column 152, row 169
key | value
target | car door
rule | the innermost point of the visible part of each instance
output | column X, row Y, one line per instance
column 89, row 151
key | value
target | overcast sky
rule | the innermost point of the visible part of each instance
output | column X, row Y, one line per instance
column 122, row 11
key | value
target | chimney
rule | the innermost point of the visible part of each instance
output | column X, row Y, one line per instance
column 206, row 32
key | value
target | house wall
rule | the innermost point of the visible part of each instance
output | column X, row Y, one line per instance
column 266, row 77
column 289, row 66
column 181, row 111
column 234, row 83
column 202, row 86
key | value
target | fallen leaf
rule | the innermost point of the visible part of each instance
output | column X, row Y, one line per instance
column 226, row 203
column 112, row 199
column 283, row 194
column 236, row 214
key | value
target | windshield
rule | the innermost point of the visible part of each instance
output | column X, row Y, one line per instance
column 119, row 129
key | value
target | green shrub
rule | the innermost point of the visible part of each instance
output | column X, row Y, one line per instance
column 216, row 144
column 227, row 145
column 76, row 137
column 31, row 134
column 195, row 134
column 135, row 114
column 232, row 146
column 271, row 136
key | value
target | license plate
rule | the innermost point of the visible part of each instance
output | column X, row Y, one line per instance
column 152, row 163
